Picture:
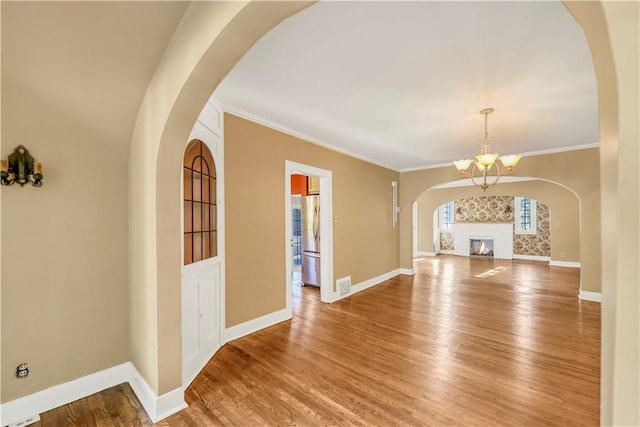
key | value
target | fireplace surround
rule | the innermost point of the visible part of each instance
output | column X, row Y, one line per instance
column 500, row 233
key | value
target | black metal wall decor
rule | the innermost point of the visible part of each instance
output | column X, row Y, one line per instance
column 20, row 167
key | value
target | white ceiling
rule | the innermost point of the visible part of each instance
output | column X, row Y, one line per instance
column 401, row 83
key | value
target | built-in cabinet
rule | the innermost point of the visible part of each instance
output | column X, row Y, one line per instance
column 313, row 185
column 202, row 331
column 203, row 281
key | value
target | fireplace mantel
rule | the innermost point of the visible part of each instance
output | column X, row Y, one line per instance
column 501, row 233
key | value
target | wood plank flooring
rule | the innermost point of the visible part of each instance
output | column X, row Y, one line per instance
column 464, row 342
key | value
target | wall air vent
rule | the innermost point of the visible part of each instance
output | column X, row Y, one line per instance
column 344, row 285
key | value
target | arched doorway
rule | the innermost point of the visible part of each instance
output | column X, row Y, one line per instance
column 180, row 87
column 564, row 227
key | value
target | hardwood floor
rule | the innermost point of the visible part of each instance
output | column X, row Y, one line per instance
column 117, row 406
column 463, row 342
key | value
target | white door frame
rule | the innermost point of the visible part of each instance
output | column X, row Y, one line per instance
column 327, row 293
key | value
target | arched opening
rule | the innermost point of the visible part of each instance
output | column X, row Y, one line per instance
column 154, row 257
column 529, row 219
column 565, row 226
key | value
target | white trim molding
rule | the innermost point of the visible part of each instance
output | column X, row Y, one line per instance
column 243, row 114
column 590, row 296
column 157, row 407
column 532, row 257
column 571, row 264
column 447, row 252
column 62, row 394
column 374, row 281
column 425, row 253
column 254, row 325
column 371, row 282
column 525, row 154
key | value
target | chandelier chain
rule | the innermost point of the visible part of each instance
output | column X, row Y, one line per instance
column 486, row 132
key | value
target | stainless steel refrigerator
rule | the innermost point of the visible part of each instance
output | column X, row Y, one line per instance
column 311, row 240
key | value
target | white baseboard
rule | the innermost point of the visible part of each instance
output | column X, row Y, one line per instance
column 191, row 371
column 447, row 252
column 255, row 325
column 62, row 394
column 377, row 280
column 532, row 257
column 425, row 253
column 157, row 407
column 571, row 264
column 590, row 296
column 372, row 282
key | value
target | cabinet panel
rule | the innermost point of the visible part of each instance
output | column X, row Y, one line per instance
column 190, row 321
column 209, row 302
column 313, row 186
column 202, row 321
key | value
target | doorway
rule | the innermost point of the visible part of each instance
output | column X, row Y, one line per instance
column 323, row 180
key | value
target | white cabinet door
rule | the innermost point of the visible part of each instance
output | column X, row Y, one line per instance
column 190, row 321
column 208, row 303
column 201, row 320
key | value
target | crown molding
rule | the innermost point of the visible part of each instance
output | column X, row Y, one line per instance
column 284, row 129
column 239, row 112
column 525, row 154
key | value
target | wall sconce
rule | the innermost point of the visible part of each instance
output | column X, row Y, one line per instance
column 21, row 168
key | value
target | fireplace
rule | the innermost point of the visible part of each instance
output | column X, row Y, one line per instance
column 481, row 247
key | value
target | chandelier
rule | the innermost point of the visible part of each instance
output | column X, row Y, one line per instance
column 485, row 162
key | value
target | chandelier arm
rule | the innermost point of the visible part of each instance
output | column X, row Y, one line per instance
column 486, row 160
column 499, row 173
column 471, row 175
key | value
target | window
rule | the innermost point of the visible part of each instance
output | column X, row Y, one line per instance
column 200, row 210
column 525, row 215
column 446, row 217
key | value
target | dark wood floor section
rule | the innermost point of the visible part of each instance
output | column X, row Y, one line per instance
column 463, row 342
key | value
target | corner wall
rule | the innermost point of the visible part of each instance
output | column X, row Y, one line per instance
column 365, row 241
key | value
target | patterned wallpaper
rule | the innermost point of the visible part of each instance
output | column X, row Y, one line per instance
column 539, row 243
column 446, row 241
column 484, row 209
column 501, row 209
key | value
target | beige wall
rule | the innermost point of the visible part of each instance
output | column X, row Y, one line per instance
column 365, row 241
column 577, row 170
column 611, row 29
column 209, row 41
column 64, row 259
column 564, row 207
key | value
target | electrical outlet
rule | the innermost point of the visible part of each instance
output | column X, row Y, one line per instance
column 22, row 370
